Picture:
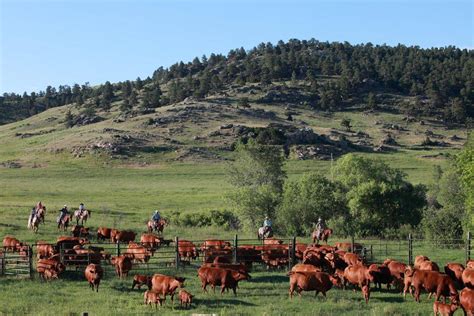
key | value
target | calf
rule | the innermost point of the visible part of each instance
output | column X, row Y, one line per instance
column 166, row 285
column 152, row 297
column 226, row 278
column 137, row 253
column 94, row 273
column 397, row 271
column 310, row 281
column 44, row 250
column 466, row 299
column 123, row 265
column 140, row 280
column 185, row 298
column 445, row 309
column 366, row 293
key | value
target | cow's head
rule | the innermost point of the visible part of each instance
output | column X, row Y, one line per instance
column 180, row 281
column 240, row 275
column 409, row 271
column 335, row 280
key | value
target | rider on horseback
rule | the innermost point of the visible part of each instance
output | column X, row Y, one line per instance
column 156, row 218
column 320, row 227
column 64, row 211
column 267, row 226
column 81, row 208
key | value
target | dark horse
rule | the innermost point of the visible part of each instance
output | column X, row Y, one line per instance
column 325, row 234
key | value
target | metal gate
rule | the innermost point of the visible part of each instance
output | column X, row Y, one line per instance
column 17, row 264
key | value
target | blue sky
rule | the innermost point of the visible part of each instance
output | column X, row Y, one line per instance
column 65, row 42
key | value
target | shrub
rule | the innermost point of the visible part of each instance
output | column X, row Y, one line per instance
column 218, row 218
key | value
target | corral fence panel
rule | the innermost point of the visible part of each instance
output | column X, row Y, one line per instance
column 256, row 254
column 18, row 264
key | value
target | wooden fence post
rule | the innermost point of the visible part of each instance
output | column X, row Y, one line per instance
column 2, row 264
column 117, row 247
column 293, row 251
column 468, row 247
column 236, row 244
column 30, row 261
column 410, row 249
column 177, row 259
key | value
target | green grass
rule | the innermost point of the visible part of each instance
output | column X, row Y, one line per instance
column 123, row 194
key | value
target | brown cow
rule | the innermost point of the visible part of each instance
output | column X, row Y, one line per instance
column 432, row 282
column 470, row 264
column 347, row 246
column 272, row 241
column 12, row 244
column 468, row 278
column 215, row 244
column 419, row 259
column 125, row 236
column 358, row 275
column 51, row 264
column 428, row 266
column 151, row 242
column 226, row 278
column 137, row 253
column 232, row 266
column 94, row 273
column 152, row 297
column 381, row 274
column 187, row 250
column 335, row 261
column 166, row 285
column 140, row 280
column 80, row 231
column 44, row 250
column 67, row 242
column 445, row 309
column 352, row 259
column 185, row 298
column 466, row 299
column 123, row 265
column 455, row 270
column 103, row 233
column 397, row 270
column 311, row 281
column 301, row 267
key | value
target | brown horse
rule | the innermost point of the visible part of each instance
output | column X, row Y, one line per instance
column 64, row 222
column 324, row 235
column 158, row 228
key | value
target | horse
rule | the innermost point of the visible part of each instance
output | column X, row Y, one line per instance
column 64, row 222
column 265, row 232
column 33, row 222
column 158, row 227
column 41, row 213
column 327, row 232
column 82, row 215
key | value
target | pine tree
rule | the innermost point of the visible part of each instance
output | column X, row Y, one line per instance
column 139, row 84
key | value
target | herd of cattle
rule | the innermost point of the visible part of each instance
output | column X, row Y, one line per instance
column 320, row 267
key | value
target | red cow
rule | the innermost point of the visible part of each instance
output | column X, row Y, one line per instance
column 445, row 309
column 80, row 231
column 381, row 274
column 166, row 285
column 187, row 250
column 226, row 278
column 397, row 270
column 311, row 281
column 103, row 233
column 140, row 280
column 94, row 273
column 432, row 282
column 466, row 299
column 301, row 267
column 125, row 236
column 137, row 252
column 12, row 244
column 419, row 259
column 358, row 275
column 429, row 266
column 44, row 250
column 468, row 278
column 455, row 270
column 151, row 242
column 347, row 246
column 123, row 265
column 352, row 259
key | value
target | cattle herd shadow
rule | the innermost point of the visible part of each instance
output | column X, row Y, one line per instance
column 212, row 302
